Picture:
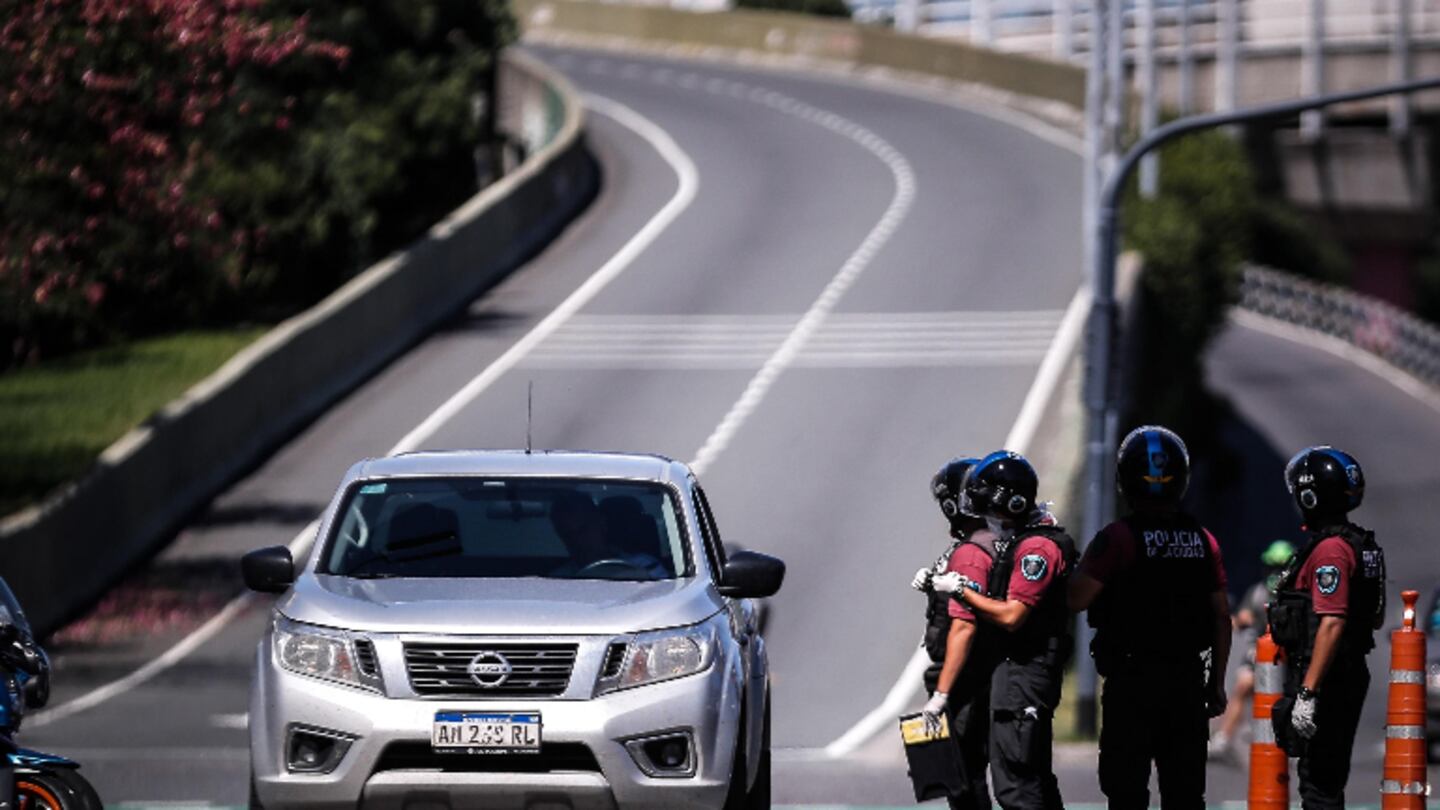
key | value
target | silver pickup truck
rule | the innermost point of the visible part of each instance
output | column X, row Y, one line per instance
column 506, row 629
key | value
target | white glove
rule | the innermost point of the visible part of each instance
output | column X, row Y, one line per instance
column 933, row 712
column 1303, row 717
column 951, row 582
column 921, row 582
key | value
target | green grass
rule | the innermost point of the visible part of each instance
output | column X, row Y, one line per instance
column 57, row 417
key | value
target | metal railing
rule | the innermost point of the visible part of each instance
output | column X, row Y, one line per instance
column 1386, row 331
column 1058, row 27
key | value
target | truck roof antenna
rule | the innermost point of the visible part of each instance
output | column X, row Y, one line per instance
column 529, row 415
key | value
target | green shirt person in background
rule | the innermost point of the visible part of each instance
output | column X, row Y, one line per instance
column 1250, row 622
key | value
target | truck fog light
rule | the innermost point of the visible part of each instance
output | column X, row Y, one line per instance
column 315, row 750
column 664, row 755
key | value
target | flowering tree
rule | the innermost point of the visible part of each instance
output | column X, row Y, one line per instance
column 170, row 160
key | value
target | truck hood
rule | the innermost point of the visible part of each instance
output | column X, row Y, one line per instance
column 517, row 606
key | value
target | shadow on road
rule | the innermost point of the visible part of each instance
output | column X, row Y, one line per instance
column 1238, row 492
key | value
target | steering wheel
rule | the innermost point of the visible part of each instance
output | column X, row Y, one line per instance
column 609, row 563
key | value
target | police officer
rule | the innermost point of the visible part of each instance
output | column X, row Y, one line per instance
column 1155, row 588
column 1027, row 603
column 1329, row 603
column 958, row 678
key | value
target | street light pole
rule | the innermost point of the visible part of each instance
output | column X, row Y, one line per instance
column 1101, row 416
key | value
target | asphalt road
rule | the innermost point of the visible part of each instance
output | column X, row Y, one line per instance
column 941, row 246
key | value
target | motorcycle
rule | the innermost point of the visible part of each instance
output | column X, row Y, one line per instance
column 49, row 782
column 31, row 780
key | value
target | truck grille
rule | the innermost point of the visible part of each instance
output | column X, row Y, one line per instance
column 551, row 758
column 443, row 669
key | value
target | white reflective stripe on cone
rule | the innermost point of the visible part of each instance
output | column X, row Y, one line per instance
column 1269, row 679
column 1262, row 731
column 1405, row 788
column 1405, row 732
column 1412, row 676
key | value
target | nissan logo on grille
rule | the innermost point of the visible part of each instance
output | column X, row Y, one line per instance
column 489, row 669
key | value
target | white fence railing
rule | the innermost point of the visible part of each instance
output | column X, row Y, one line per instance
column 1386, row 331
column 1058, row 27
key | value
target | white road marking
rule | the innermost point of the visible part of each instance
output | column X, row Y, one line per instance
column 689, row 182
column 810, row 322
column 844, row 340
column 241, row 720
column 165, row 661
column 689, row 185
column 1022, row 433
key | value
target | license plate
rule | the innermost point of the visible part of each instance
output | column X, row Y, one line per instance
column 486, row 732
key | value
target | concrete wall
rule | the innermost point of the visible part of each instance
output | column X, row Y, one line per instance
column 60, row 556
column 810, row 37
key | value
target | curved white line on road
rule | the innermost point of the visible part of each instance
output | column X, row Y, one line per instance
column 1022, row 434
column 689, row 184
column 811, row 321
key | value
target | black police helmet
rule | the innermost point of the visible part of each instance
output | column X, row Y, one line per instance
column 1325, row 482
column 1152, row 466
column 1002, row 485
column 947, row 488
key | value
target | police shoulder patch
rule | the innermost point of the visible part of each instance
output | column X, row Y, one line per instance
column 1327, row 579
column 1032, row 567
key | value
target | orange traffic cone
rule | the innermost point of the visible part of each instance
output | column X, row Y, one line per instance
column 1403, row 784
column 1269, row 766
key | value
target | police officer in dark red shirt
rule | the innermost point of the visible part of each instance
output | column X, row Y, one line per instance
column 958, row 679
column 1327, row 607
column 1027, row 603
column 1154, row 584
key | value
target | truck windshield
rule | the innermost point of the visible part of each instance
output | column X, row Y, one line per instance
column 522, row 527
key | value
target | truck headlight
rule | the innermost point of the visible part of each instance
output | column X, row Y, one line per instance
column 320, row 652
column 663, row 655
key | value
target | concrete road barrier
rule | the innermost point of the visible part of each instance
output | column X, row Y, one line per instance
column 61, row 555
column 797, row 35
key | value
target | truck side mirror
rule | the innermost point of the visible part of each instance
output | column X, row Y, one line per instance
column 751, row 575
column 268, row 570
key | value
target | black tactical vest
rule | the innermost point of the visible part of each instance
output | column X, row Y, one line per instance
column 937, row 608
column 1161, row 605
column 1046, row 633
column 1293, row 621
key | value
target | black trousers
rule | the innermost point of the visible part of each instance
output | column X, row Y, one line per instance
column 1154, row 712
column 1324, row 768
column 968, row 713
column 1023, row 697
